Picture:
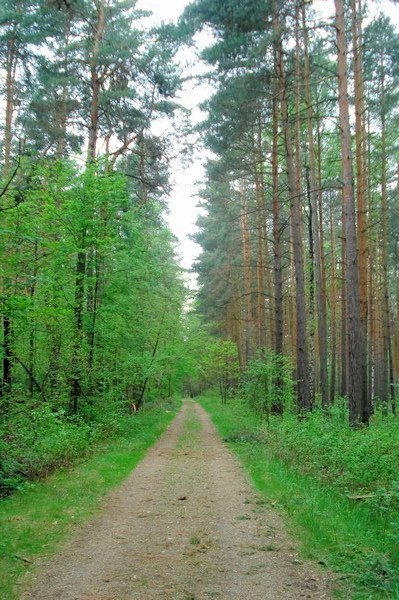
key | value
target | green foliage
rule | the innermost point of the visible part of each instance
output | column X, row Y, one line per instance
column 222, row 367
column 91, row 295
column 267, row 383
column 228, row 15
column 354, row 461
column 128, row 345
column 220, row 237
column 34, row 442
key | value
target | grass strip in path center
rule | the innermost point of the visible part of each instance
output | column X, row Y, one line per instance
column 190, row 436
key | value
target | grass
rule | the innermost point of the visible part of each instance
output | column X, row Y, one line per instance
column 190, row 434
column 35, row 520
column 349, row 538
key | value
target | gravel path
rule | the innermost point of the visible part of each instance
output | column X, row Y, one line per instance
column 185, row 525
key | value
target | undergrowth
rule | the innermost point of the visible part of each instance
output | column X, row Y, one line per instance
column 33, row 443
column 336, row 486
column 361, row 463
column 36, row 440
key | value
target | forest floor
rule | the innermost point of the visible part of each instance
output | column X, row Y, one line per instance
column 186, row 525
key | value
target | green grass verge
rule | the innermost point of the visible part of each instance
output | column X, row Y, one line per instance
column 190, row 433
column 35, row 520
column 347, row 537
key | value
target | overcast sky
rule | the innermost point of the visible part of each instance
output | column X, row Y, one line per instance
column 183, row 210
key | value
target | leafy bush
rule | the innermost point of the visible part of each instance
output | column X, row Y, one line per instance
column 33, row 443
column 361, row 463
column 37, row 440
column 267, row 383
column 221, row 364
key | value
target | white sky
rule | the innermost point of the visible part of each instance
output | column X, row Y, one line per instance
column 183, row 200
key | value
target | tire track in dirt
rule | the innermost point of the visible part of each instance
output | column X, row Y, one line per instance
column 186, row 525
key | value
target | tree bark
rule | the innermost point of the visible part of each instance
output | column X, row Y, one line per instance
column 315, row 224
column 78, row 317
column 361, row 181
column 277, row 407
column 304, row 394
column 388, row 386
column 357, row 389
column 11, row 66
column 63, row 112
column 247, row 273
column 277, row 242
column 344, row 313
column 333, row 297
column 95, row 81
column 260, row 267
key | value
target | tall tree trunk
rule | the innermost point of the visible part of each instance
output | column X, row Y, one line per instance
column 371, row 318
column 277, row 407
column 320, row 204
column 11, row 66
column 344, row 312
column 304, row 395
column 33, row 332
column 142, row 170
column 316, row 225
column 333, row 297
column 388, row 386
column 269, row 340
column 361, row 180
column 63, row 112
column 78, row 316
column 396, row 361
column 396, row 354
column 93, row 272
column 357, row 389
column 277, row 231
column 380, row 349
column 247, row 274
column 140, row 398
column 81, row 262
column 95, row 82
column 260, row 268
column 311, row 284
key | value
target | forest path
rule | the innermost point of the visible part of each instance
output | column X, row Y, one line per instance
column 186, row 525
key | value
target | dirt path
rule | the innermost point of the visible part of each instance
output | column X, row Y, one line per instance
column 185, row 526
